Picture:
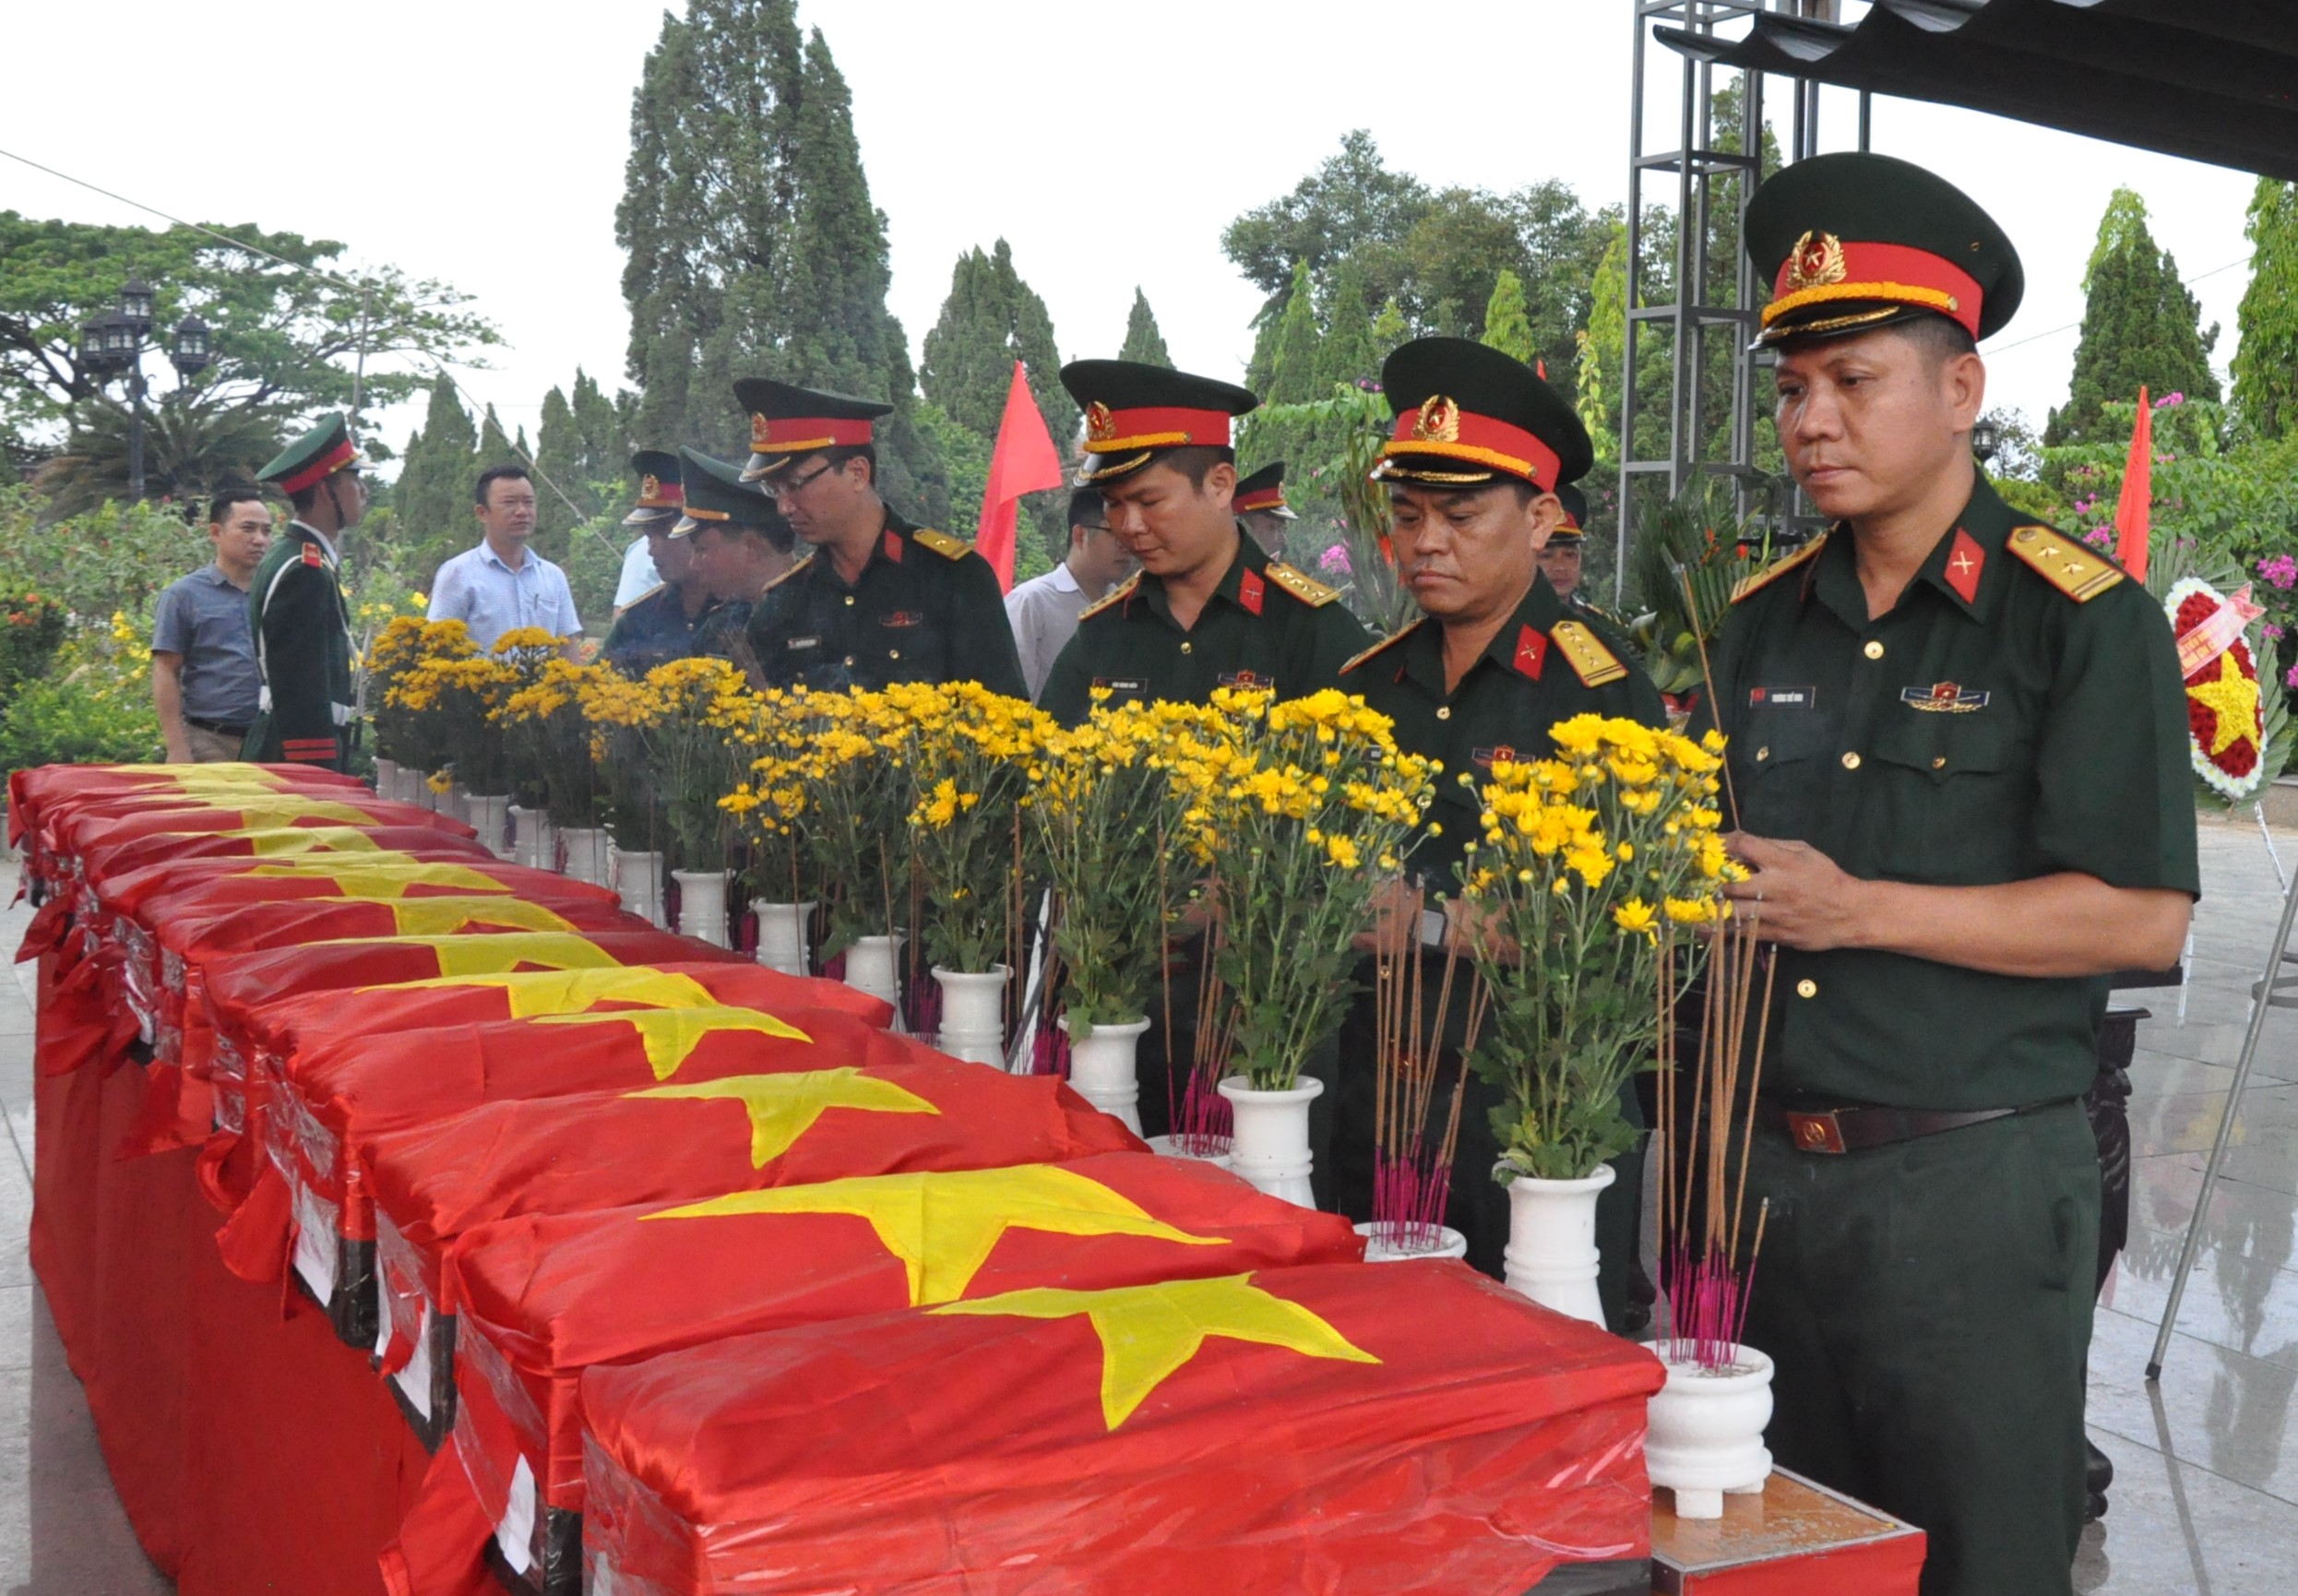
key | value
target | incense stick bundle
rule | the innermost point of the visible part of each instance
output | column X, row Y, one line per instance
column 1412, row 1174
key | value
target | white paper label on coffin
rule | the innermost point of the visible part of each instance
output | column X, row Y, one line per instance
column 315, row 1242
column 515, row 1535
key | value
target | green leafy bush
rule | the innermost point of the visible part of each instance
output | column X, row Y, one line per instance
column 31, row 629
column 94, row 707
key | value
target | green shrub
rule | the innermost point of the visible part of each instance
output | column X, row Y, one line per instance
column 32, row 627
column 84, row 714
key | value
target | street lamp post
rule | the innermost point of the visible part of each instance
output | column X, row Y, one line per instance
column 112, row 345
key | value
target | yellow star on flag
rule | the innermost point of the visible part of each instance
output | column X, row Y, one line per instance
column 1151, row 1332
column 532, row 993
column 384, row 875
column 671, row 1035
column 2233, row 697
column 445, row 916
column 274, row 843
column 464, row 959
column 267, row 813
column 783, row 1107
column 944, row 1226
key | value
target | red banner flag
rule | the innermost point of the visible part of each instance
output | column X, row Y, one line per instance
column 35, row 797
column 1355, row 1430
column 105, row 859
column 120, row 820
column 157, row 890
column 1024, row 461
column 2132, row 510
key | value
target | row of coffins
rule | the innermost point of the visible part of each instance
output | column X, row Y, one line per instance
column 692, row 1276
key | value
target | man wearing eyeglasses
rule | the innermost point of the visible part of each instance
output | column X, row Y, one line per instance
column 878, row 600
column 1044, row 610
column 305, row 711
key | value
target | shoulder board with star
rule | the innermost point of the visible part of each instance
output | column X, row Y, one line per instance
column 1590, row 659
column 2065, row 564
column 1778, row 568
column 659, row 586
column 1396, row 637
column 942, row 543
column 1116, row 595
column 1315, row 594
column 793, row 570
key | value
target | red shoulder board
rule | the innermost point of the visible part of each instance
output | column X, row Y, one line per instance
column 1250, row 588
column 1531, row 650
column 312, row 557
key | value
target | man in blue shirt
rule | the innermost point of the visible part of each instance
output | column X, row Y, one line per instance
column 503, row 584
column 204, row 682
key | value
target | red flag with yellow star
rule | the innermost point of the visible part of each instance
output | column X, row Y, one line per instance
column 38, row 797
column 1349, row 1429
column 104, row 859
column 387, row 877
column 118, row 820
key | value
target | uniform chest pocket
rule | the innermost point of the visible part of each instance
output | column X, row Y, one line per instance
column 1778, row 772
column 1951, row 796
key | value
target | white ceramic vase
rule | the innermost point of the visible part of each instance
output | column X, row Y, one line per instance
column 491, row 817
column 1551, row 1255
column 1269, row 1142
column 638, row 882
column 1101, row 1069
column 411, row 785
column 588, row 851
column 533, row 843
column 1449, row 1243
column 702, row 905
column 1170, row 1147
column 973, row 1014
column 386, row 777
column 1704, row 1431
column 430, row 797
column 873, row 965
column 456, row 804
column 783, row 935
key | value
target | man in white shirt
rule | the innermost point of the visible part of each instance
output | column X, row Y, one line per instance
column 1044, row 610
column 503, row 584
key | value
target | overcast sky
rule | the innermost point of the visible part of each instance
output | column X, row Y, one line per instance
column 484, row 144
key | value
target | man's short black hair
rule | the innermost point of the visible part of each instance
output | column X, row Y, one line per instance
column 221, row 501
column 493, row 474
column 1939, row 338
column 838, row 459
column 1196, row 463
column 302, row 499
column 1087, row 508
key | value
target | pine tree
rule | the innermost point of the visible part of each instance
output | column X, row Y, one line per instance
column 431, row 501
column 494, row 445
column 1389, row 329
column 1293, row 365
column 990, row 319
column 2266, row 360
column 579, row 448
column 1348, row 355
column 1507, row 319
column 1602, row 349
column 2140, row 325
column 1143, row 341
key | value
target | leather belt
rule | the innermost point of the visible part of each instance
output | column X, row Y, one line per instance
column 1857, row 1127
column 218, row 727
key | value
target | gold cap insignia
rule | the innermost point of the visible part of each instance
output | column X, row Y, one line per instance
column 649, row 487
column 1100, row 426
column 1439, row 420
column 1816, row 262
column 760, row 429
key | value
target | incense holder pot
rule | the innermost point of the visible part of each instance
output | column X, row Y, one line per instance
column 1102, row 1069
column 783, row 935
column 1551, row 1255
column 638, row 882
column 589, row 853
column 1443, row 1242
column 490, row 816
column 1215, row 1151
column 1704, row 1430
column 973, row 1014
column 873, row 965
column 1270, row 1145
column 702, row 905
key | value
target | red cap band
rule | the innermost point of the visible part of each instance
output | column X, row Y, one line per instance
column 1824, row 270
column 1109, row 432
column 796, row 434
column 1261, row 499
column 320, row 469
column 1442, row 427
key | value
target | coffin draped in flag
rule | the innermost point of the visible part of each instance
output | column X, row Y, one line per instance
column 119, row 820
column 105, row 859
column 1378, row 1429
column 541, row 1299
column 38, row 797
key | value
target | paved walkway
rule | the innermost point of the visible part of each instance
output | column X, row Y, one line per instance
column 2206, row 1493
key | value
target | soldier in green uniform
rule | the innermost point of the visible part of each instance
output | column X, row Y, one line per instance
column 1497, row 659
column 876, row 600
column 307, row 714
column 661, row 624
column 742, row 547
column 1208, row 608
column 1260, row 508
column 1959, row 765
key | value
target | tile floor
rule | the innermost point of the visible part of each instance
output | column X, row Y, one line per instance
column 2205, row 1490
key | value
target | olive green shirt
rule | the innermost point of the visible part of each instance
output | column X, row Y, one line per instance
column 924, row 608
column 1992, row 727
column 1265, row 626
column 1527, row 680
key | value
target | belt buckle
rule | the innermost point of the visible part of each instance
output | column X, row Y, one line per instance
column 1816, row 1132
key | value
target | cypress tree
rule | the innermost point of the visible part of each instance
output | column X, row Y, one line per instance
column 2140, row 325
column 2266, row 362
column 1348, row 353
column 990, row 319
column 430, row 500
column 1389, row 329
column 1143, row 341
column 1507, row 319
column 578, row 448
column 1292, row 364
column 495, row 448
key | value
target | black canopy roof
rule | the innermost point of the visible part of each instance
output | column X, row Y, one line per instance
column 2213, row 80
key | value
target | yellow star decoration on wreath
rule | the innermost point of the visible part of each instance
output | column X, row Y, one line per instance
column 784, row 1107
column 944, row 1226
column 2233, row 697
column 671, row 1035
column 530, row 994
column 1149, row 1333
column 380, row 877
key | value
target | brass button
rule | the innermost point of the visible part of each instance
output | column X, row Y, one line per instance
column 1938, row 762
column 1807, row 988
column 1851, row 761
column 850, row 601
column 1184, row 647
column 893, row 653
column 1873, row 650
column 849, row 662
column 1761, row 754
column 1443, row 711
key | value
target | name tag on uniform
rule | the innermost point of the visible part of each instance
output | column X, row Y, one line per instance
column 1943, row 698
column 804, row 643
column 1122, row 684
column 1782, row 697
column 901, row 618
